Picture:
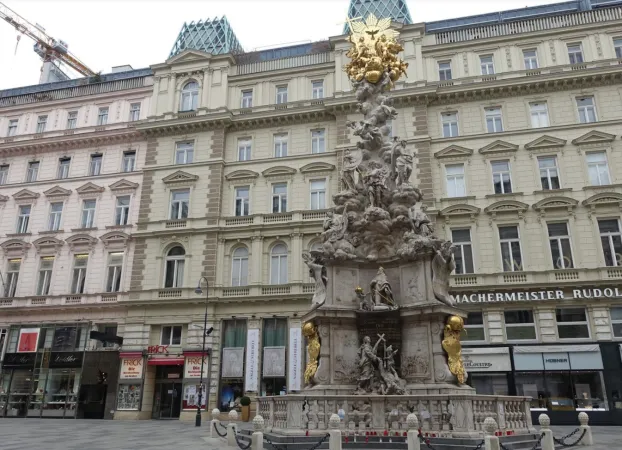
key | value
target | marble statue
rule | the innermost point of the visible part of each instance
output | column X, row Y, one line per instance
column 335, row 226
column 375, row 374
column 381, row 291
column 368, row 362
column 365, row 301
column 375, row 183
column 443, row 264
column 401, row 162
column 351, row 161
column 421, row 222
column 317, row 271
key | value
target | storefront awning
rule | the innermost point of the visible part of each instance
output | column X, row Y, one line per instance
column 166, row 362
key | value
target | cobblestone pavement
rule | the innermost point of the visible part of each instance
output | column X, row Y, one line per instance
column 52, row 434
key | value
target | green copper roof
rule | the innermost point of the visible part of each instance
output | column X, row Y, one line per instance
column 395, row 9
column 211, row 36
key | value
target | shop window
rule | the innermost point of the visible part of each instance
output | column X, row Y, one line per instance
column 616, row 322
column 171, row 335
column 474, row 327
column 274, row 341
column 489, row 383
column 588, row 390
column 572, row 323
column 61, row 392
column 66, row 339
column 519, row 325
column 128, row 397
column 191, row 396
column 232, row 389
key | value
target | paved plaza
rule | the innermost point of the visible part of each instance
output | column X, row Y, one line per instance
column 20, row 434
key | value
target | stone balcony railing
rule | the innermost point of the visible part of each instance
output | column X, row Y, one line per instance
column 260, row 219
column 77, row 132
column 63, row 300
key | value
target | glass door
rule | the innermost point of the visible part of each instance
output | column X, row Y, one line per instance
column 170, row 400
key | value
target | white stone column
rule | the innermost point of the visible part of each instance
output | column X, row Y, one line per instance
column 153, row 106
column 257, row 437
column 491, row 441
column 207, row 84
column 233, row 416
column 172, row 87
column 334, row 439
column 412, row 437
column 295, row 253
column 256, row 261
column 547, row 441
column 587, row 439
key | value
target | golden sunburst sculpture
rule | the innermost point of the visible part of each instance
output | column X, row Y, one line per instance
column 374, row 51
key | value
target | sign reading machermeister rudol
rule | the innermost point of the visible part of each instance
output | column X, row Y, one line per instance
column 526, row 296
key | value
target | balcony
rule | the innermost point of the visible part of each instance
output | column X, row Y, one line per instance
column 76, row 133
column 52, row 301
column 261, row 219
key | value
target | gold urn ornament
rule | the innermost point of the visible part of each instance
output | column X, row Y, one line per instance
column 453, row 347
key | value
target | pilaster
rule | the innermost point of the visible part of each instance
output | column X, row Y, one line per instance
column 172, row 89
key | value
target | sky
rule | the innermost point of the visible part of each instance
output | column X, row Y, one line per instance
column 103, row 34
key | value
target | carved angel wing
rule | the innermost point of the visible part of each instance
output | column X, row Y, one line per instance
column 358, row 27
column 385, row 23
column 371, row 20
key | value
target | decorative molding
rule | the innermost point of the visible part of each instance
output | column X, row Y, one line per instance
column 506, row 206
column 48, row 245
column 497, row 147
column 81, row 243
column 241, row 175
column 602, row 199
column 459, row 210
column 453, row 151
column 57, row 191
column 3, row 199
column 123, row 185
column 545, row 142
column 89, row 189
column 278, row 171
column 594, row 137
column 317, row 167
column 25, row 195
column 15, row 248
column 565, row 204
column 115, row 239
column 180, row 177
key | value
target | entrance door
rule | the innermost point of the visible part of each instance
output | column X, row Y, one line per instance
column 170, row 400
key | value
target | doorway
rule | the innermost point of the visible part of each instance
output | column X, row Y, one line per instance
column 167, row 401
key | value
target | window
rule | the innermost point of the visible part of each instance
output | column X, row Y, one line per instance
column 318, row 141
column 531, row 59
column 244, row 149
column 4, row 173
column 597, row 168
column 175, row 260
column 444, row 70
column 318, row 194
column 95, row 165
column 134, row 112
column 572, row 323
column 242, row 206
column 575, row 54
column 171, row 335
column 450, row 124
column 317, row 89
column 179, row 204
column 184, row 152
column 510, row 249
column 617, row 45
column 559, row 241
column 281, row 94
column 549, row 174
column 129, row 161
column 12, row 131
column 539, row 115
column 63, row 168
column 12, row 275
column 33, row 171
column 616, row 322
column 487, row 65
column 45, row 275
column 455, row 180
column 611, row 240
column 494, row 120
column 474, row 327
column 519, row 325
column 72, row 120
column 88, row 213
column 122, row 210
column 115, row 266
column 80, row 263
column 279, row 197
column 239, row 267
column 23, row 218
column 247, row 99
column 586, row 109
column 278, row 264
column 41, row 124
column 56, row 213
column 280, row 145
column 463, row 251
column 102, row 116
column 501, row 178
column 189, row 96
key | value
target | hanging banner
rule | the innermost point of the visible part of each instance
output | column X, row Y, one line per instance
column 295, row 359
column 252, row 360
column 28, row 340
column 131, row 368
column 233, row 362
column 192, row 368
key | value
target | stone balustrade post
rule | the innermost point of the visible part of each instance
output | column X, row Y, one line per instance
column 491, row 442
column 545, row 428
column 257, row 437
column 334, row 434
column 214, row 424
column 412, row 436
column 233, row 416
column 587, row 439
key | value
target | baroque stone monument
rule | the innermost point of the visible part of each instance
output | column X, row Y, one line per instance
column 383, row 337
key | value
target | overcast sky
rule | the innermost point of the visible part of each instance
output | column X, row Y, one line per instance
column 141, row 32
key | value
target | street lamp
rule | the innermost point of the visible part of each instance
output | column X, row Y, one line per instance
column 206, row 332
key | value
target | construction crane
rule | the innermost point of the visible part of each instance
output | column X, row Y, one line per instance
column 50, row 49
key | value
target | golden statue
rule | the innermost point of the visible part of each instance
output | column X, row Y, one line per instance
column 313, row 349
column 451, row 344
column 374, row 50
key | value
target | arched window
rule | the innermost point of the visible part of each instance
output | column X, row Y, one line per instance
column 175, row 260
column 239, row 267
column 278, row 264
column 189, row 96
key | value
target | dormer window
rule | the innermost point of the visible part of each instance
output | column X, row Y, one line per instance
column 189, row 96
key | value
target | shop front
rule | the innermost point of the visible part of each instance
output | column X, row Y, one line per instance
column 129, row 390
column 168, row 387
column 193, row 362
column 489, row 369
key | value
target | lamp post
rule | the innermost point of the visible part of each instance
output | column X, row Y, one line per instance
column 199, row 291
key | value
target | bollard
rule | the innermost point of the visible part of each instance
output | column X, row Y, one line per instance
column 545, row 427
column 491, row 441
column 257, row 438
column 334, row 439
column 587, row 437
column 215, row 422
column 233, row 415
column 412, row 437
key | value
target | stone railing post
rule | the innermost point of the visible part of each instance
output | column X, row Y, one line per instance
column 491, row 441
column 214, row 424
column 257, row 437
column 547, row 441
column 412, row 437
column 233, row 416
column 334, row 435
column 587, row 437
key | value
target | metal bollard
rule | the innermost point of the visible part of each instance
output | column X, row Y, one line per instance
column 545, row 427
column 412, row 436
column 587, row 439
column 215, row 422
column 491, row 441
column 334, row 435
column 257, row 438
